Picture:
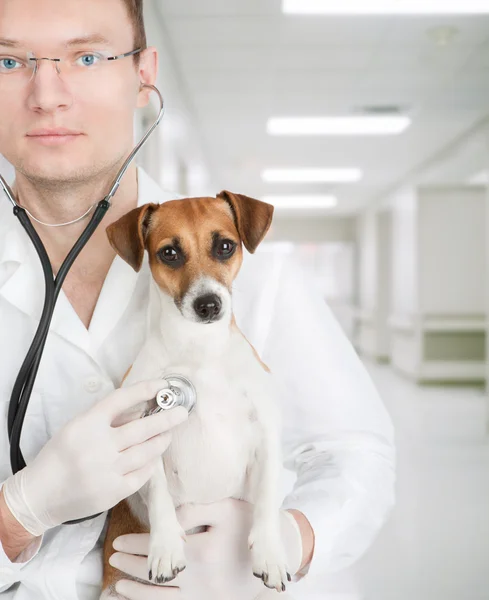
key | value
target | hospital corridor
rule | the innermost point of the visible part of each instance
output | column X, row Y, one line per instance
column 365, row 124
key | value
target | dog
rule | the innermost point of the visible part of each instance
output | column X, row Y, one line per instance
column 229, row 447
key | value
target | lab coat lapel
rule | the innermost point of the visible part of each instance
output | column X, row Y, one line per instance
column 20, row 287
column 18, row 276
column 25, row 290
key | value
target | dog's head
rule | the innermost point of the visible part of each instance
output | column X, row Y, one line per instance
column 194, row 247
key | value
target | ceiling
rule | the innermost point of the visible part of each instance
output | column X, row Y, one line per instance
column 241, row 62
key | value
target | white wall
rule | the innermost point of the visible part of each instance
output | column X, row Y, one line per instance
column 367, row 243
column 404, row 254
column 384, row 293
column 429, row 315
column 318, row 229
column 452, row 242
column 375, row 274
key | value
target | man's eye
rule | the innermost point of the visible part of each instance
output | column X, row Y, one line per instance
column 7, row 65
column 88, row 60
column 225, row 248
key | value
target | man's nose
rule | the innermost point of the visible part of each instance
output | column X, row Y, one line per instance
column 48, row 90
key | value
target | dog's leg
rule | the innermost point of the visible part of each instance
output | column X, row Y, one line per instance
column 166, row 555
column 268, row 553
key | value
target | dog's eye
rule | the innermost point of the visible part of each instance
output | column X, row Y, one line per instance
column 170, row 256
column 224, row 249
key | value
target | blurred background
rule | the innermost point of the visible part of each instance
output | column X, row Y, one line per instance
column 366, row 123
column 385, row 196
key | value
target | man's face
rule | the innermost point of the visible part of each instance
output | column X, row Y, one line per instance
column 98, row 105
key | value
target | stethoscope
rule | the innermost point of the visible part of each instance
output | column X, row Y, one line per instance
column 178, row 390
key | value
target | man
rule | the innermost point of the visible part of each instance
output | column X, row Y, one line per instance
column 337, row 436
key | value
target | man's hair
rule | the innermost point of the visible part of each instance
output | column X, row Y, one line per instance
column 135, row 10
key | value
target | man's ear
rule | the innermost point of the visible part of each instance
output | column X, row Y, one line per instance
column 128, row 234
column 252, row 218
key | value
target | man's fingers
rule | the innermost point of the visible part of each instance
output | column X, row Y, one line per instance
column 140, row 430
column 126, row 397
column 199, row 549
column 132, row 543
column 136, row 566
column 133, row 590
column 137, row 457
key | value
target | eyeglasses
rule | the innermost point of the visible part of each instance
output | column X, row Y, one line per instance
column 79, row 67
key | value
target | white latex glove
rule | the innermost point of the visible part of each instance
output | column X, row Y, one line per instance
column 218, row 560
column 89, row 465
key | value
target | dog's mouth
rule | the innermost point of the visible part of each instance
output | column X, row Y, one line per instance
column 210, row 321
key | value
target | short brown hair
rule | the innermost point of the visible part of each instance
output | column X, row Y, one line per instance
column 135, row 10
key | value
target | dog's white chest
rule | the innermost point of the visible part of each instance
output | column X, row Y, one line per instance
column 210, row 453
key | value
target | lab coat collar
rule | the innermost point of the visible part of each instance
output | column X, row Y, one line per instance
column 22, row 282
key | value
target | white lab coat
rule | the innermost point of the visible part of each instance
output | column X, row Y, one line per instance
column 337, row 436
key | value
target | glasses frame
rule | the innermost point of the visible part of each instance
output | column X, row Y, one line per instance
column 31, row 57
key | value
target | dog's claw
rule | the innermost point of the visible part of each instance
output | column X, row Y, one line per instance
column 165, row 561
column 268, row 559
column 163, row 579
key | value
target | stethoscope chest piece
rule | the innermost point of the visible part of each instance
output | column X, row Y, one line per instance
column 179, row 391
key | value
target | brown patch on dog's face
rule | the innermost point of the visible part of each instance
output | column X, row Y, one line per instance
column 194, row 247
column 193, row 238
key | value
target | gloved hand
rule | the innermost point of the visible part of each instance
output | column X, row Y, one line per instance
column 89, row 466
column 218, row 560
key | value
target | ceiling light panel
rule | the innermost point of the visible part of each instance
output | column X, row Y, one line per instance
column 312, row 175
column 386, row 7
column 357, row 125
column 302, row 202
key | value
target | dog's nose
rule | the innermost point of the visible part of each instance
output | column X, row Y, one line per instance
column 208, row 307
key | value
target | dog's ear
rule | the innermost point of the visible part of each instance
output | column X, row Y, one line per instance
column 128, row 234
column 252, row 218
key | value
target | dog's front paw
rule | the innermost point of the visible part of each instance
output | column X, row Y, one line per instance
column 269, row 559
column 166, row 558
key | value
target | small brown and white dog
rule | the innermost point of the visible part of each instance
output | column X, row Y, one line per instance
column 229, row 447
